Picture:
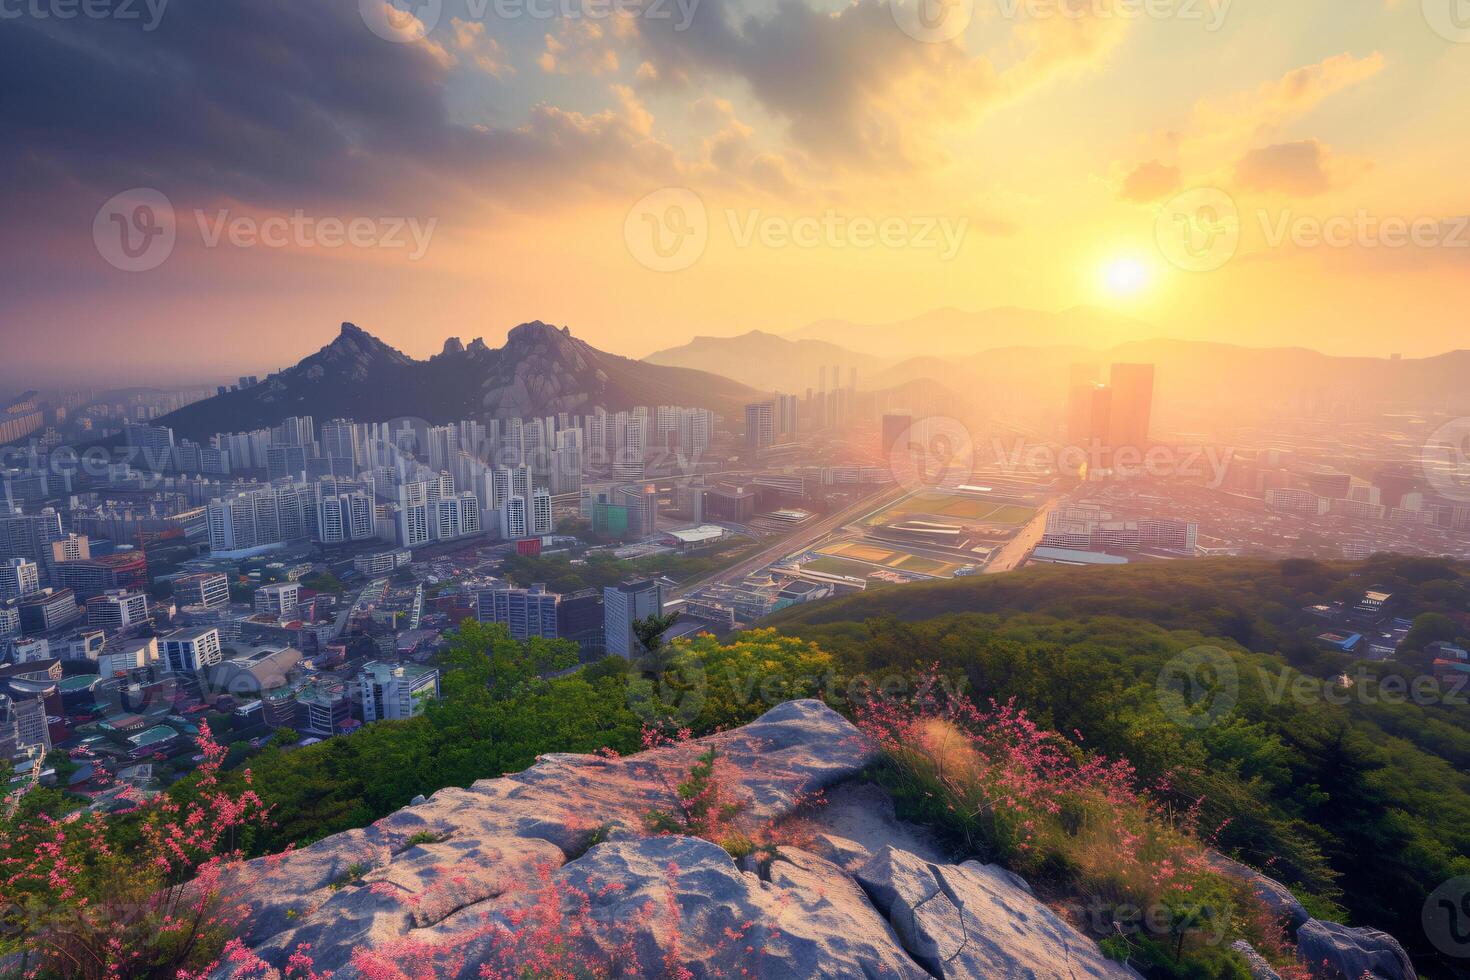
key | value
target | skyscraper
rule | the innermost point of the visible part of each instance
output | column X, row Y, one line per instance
column 760, row 424
column 1132, row 406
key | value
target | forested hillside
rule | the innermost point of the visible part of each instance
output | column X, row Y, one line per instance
column 1207, row 673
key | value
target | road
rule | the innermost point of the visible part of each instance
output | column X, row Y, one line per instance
column 1014, row 551
column 798, row 541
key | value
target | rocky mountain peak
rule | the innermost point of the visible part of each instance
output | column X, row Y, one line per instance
column 355, row 343
column 536, row 332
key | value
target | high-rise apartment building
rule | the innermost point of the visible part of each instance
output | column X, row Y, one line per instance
column 278, row 599
column 622, row 606
column 18, row 577
column 208, row 589
column 117, row 610
column 192, row 650
column 395, row 691
column 525, row 612
column 760, row 425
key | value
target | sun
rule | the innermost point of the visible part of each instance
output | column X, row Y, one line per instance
column 1125, row 278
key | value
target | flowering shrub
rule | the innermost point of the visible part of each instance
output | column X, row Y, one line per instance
column 1075, row 824
column 706, row 805
column 138, row 893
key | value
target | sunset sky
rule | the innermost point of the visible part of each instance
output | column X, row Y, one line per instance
column 1051, row 149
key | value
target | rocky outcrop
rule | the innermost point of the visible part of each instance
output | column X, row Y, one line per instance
column 974, row 920
column 446, row 886
column 1275, row 896
column 1255, row 962
column 442, row 884
column 1337, row 952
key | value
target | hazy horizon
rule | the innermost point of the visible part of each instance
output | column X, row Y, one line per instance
column 705, row 168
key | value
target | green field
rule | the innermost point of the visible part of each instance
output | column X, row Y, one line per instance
column 952, row 507
column 839, row 566
column 925, row 566
column 847, row 554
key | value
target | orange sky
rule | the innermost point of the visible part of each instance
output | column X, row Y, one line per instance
column 1248, row 171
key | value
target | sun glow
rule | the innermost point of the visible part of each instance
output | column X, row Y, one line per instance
column 1125, row 278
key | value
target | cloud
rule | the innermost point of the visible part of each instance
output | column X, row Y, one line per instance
column 275, row 104
column 579, row 47
column 1238, row 136
column 1249, row 117
column 484, row 51
column 1298, row 169
column 1151, row 181
column 853, row 89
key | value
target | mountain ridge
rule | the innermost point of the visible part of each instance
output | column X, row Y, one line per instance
column 541, row 369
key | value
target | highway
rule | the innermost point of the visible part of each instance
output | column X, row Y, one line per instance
column 800, row 540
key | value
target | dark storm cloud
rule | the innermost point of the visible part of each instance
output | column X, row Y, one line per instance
column 278, row 104
column 247, row 98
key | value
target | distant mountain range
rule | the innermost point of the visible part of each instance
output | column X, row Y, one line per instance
column 956, row 333
column 1029, row 367
column 541, row 370
column 769, row 362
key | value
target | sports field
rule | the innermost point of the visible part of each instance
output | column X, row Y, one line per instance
column 830, row 565
column 849, row 553
column 956, row 508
